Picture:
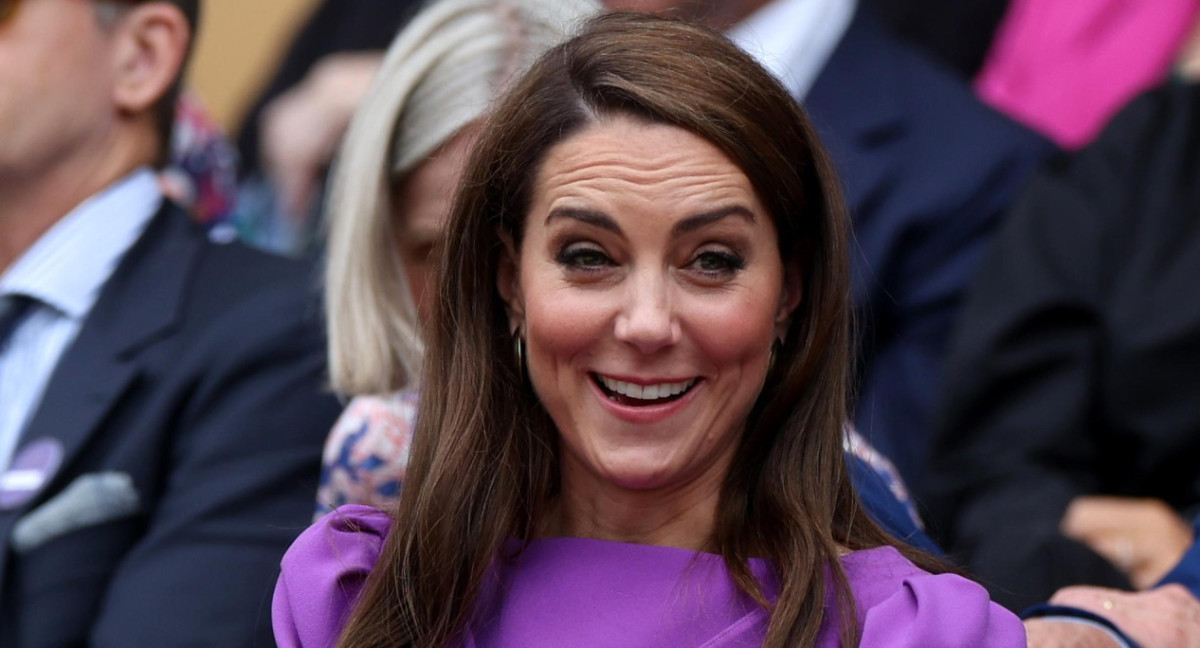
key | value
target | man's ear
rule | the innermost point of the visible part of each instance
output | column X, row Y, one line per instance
column 151, row 44
column 508, row 282
column 790, row 294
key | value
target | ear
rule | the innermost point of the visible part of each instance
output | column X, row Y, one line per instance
column 508, row 282
column 151, row 43
column 790, row 294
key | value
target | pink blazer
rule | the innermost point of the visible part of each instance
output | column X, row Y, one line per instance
column 1064, row 68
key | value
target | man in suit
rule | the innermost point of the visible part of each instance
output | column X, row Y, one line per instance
column 927, row 170
column 161, row 414
column 1069, row 447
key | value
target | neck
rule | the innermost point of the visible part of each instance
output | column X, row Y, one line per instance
column 682, row 516
column 38, row 196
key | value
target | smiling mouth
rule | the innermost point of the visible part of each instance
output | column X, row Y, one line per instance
column 634, row 395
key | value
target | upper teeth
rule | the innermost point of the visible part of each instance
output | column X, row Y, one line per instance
column 647, row 392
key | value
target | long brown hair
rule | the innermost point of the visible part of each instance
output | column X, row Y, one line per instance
column 484, row 461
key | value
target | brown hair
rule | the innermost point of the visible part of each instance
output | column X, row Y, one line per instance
column 484, row 460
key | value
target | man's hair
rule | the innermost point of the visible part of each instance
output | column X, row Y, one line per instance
column 107, row 13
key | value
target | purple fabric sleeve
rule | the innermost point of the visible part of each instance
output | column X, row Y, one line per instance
column 940, row 610
column 323, row 574
column 592, row 589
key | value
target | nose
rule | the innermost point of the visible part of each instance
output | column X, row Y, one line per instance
column 647, row 319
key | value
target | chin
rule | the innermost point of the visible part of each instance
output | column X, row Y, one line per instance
column 637, row 475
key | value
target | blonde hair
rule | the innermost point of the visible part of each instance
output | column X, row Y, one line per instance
column 440, row 74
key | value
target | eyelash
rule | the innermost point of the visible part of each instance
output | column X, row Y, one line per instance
column 576, row 259
column 572, row 258
column 731, row 263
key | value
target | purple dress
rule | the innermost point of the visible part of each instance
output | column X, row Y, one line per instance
column 584, row 593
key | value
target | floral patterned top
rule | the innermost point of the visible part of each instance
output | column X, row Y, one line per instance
column 366, row 458
column 366, row 454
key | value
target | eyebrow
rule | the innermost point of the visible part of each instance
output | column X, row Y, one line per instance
column 689, row 224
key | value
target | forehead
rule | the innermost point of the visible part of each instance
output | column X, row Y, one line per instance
column 626, row 159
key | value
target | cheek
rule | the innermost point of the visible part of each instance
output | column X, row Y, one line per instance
column 564, row 323
column 731, row 330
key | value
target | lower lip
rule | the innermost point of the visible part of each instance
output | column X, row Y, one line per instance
column 644, row 413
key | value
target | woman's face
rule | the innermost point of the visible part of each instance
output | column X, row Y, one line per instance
column 423, row 200
column 649, row 289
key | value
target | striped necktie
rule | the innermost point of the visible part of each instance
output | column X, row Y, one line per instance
column 12, row 309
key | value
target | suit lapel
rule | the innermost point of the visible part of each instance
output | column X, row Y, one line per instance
column 856, row 106
column 139, row 304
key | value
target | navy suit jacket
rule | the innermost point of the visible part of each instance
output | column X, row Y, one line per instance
column 927, row 170
column 1187, row 572
column 197, row 376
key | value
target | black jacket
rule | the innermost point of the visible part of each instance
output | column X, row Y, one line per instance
column 1076, row 368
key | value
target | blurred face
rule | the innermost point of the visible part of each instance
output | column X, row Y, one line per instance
column 718, row 14
column 423, row 201
column 649, row 289
column 55, row 84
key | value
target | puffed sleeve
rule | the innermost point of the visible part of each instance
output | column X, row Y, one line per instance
column 323, row 573
column 940, row 611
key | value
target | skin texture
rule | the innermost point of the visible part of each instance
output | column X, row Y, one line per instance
column 718, row 14
column 1164, row 617
column 76, row 106
column 1188, row 65
column 1040, row 633
column 422, row 201
column 1144, row 538
column 606, row 283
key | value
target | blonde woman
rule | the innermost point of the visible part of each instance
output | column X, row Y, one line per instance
column 391, row 193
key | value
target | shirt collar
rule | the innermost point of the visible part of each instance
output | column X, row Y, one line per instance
column 794, row 38
column 66, row 267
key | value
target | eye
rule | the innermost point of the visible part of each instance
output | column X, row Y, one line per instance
column 587, row 258
column 717, row 263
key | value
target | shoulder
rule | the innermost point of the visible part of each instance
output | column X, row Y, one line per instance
column 383, row 413
column 1157, row 127
column 366, row 455
column 237, row 301
column 900, row 605
column 323, row 573
column 379, row 428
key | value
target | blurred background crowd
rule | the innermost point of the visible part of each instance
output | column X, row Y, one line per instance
column 1023, row 182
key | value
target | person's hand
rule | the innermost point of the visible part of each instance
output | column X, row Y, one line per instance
column 1164, row 617
column 1049, row 633
column 302, row 128
column 1144, row 538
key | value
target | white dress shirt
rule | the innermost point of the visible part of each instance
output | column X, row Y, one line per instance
column 63, row 272
column 794, row 38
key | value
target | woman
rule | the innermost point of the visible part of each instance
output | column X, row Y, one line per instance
column 631, row 425
column 389, row 200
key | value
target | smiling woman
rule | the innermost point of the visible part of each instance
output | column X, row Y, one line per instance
column 635, row 389
column 649, row 290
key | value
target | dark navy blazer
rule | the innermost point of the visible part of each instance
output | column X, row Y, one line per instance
column 198, row 378
column 927, row 171
column 1187, row 572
